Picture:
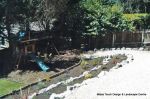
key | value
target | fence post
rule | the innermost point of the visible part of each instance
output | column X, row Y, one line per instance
column 113, row 40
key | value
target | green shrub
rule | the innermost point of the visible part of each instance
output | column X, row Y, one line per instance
column 84, row 64
column 87, row 76
column 96, row 61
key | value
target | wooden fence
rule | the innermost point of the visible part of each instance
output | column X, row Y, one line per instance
column 120, row 39
column 127, row 39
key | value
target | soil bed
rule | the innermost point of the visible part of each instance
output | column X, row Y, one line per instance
column 75, row 72
column 28, row 75
column 78, row 71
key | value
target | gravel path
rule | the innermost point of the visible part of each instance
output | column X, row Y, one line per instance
column 132, row 81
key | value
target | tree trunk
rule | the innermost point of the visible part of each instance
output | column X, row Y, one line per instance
column 47, row 27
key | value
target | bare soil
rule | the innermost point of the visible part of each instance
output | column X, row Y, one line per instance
column 72, row 73
column 56, row 64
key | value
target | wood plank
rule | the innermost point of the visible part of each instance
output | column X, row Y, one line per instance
column 37, row 39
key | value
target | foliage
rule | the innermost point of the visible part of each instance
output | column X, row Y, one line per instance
column 26, row 11
column 93, row 62
column 87, row 17
column 2, row 11
column 72, row 24
column 135, row 16
column 104, row 17
column 72, row 19
column 147, row 22
column 84, row 64
column 135, row 6
column 87, row 76
column 139, row 20
column 96, row 61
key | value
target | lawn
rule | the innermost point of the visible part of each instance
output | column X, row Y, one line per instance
column 8, row 86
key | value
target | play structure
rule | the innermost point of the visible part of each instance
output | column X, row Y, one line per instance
column 39, row 62
column 29, row 44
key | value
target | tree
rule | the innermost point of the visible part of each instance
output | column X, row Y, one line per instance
column 135, row 6
column 48, row 10
column 74, row 24
column 70, row 26
column 104, row 16
column 138, row 20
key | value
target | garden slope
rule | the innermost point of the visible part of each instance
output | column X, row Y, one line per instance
column 132, row 78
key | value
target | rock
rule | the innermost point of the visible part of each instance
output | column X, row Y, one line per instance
column 105, row 61
column 128, row 48
column 42, row 91
column 104, row 68
column 52, row 86
column 52, row 96
column 86, row 73
column 69, row 80
column 119, row 65
column 123, row 48
column 128, row 62
column 95, row 49
column 71, row 88
column 106, row 49
column 141, row 49
column 113, row 48
column 118, row 49
column 33, row 95
column 95, row 68
column 86, row 56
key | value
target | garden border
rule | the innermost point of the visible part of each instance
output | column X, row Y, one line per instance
column 53, row 76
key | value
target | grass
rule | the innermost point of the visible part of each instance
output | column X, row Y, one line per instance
column 7, row 86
